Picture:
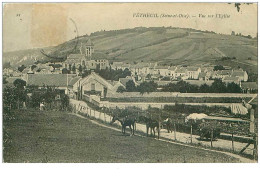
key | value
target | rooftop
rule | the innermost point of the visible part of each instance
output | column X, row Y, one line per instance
column 249, row 85
column 58, row 80
column 238, row 73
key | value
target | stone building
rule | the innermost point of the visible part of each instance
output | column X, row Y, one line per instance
column 88, row 57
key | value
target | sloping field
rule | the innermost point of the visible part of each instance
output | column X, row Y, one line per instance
column 38, row 136
column 167, row 45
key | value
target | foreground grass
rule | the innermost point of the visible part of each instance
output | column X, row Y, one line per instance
column 36, row 136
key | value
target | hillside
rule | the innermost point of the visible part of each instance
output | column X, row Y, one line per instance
column 164, row 45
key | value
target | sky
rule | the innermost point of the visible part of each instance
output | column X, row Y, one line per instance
column 36, row 25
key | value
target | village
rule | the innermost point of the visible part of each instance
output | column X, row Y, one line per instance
column 83, row 84
column 77, row 66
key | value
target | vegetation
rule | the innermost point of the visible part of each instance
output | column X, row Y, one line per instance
column 49, row 136
column 217, row 87
column 21, row 68
column 147, row 87
column 17, row 96
column 120, row 89
column 218, row 67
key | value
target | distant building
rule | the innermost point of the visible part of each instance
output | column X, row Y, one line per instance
column 242, row 75
column 231, row 79
column 61, row 81
column 193, row 72
column 162, row 70
column 94, row 84
column 87, row 58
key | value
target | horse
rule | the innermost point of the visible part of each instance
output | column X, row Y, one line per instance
column 126, row 121
column 150, row 124
column 169, row 125
column 205, row 132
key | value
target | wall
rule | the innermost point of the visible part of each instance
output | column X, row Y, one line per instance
column 177, row 94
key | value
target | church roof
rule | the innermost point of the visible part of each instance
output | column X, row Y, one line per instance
column 89, row 43
column 76, row 56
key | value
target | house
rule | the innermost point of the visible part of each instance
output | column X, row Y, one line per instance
column 193, row 72
column 249, row 87
column 172, row 72
column 203, row 76
column 180, row 73
column 75, row 59
column 73, row 87
column 94, row 84
column 162, row 70
column 53, row 80
column 242, row 75
column 228, row 79
column 221, row 74
column 7, row 71
column 141, row 69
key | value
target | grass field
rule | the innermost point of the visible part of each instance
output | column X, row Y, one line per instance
column 34, row 136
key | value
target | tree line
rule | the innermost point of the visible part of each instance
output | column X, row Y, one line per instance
column 182, row 86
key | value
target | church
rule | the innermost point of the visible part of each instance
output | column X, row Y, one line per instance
column 88, row 57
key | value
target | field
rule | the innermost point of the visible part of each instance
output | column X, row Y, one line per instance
column 38, row 136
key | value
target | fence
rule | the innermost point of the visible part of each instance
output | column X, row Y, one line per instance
column 84, row 109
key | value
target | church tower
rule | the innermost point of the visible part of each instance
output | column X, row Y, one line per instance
column 87, row 49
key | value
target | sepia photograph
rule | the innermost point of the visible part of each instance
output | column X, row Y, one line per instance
column 130, row 82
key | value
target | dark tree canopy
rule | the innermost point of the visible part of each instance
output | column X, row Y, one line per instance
column 19, row 83
column 130, row 86
column 218, row 67
column 147, row 87
column 21, row 68
column 120, row 89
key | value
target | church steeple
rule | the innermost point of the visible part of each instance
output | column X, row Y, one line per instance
column 89, row 49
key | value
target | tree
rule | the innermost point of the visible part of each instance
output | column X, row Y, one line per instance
column 49, row 95
column 85, row 73
column 120, row 89
column 130, row 86
column 126, row 73
column 218, row 86
column 65, row 101
column 218, row 67
column 204, row 88
column 65, row 71
column 4, row 80
column 36, row 99
column 80, row 68
column 233, row 88
column 21, row 68
column 73, row 69
column 19, row 83
column 148, row 87
column 33, row 67
column 70, row 67
column 8, row 99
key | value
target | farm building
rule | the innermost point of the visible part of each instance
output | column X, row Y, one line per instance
column 93, row 84
column 60, row 81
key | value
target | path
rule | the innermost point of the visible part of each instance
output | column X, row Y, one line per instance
column 181, row 137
